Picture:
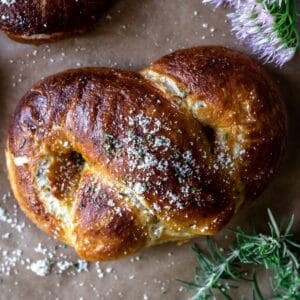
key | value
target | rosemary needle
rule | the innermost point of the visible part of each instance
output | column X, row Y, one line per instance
column 277, row 252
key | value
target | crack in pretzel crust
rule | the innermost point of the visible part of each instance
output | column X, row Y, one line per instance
column 111, row 161
column 42, row 21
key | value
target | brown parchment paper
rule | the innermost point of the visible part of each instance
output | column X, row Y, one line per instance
column 131, row 34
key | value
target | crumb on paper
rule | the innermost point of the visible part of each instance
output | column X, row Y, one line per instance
column 41, row 267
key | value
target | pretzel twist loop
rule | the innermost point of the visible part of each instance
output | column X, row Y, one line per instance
column 111, row 161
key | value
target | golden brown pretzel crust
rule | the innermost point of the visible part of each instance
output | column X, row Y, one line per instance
column 111, row 161
column 43, row 21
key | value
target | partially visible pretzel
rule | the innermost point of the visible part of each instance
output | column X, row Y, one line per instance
column 40, row 21
column 111, row 161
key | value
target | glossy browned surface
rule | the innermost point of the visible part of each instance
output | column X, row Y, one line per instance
column 25, row 20
column 238, row 92
column 120, row 233
column 132, row 136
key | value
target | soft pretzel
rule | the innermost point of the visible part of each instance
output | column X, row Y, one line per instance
column 37, row 21
column 111, row 161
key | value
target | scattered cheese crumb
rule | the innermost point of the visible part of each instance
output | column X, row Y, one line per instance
column 41, row 267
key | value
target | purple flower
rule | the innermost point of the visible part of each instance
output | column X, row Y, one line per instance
column 217, row 3
column 254, row 23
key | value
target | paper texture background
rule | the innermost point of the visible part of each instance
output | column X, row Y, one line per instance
column 130, row 35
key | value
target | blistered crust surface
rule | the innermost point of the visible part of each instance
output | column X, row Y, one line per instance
column 112, row 161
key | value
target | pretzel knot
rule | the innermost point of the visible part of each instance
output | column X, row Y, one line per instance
column 111, row 161
column 41, row 21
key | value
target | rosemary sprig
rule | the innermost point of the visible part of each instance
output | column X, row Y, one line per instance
column 277, row 252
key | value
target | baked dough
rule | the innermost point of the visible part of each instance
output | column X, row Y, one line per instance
column 111, row 161
column 41, row 21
